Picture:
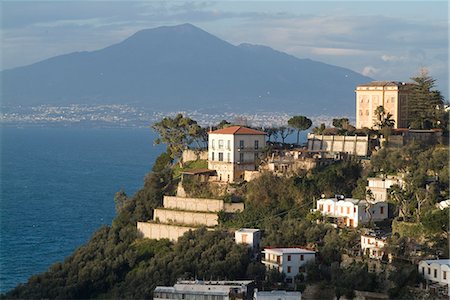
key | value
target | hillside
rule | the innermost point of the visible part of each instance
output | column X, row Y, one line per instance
column 184, row 67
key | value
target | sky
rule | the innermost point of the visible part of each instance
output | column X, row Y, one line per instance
column 385, row 40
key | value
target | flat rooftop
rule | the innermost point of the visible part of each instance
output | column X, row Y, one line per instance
column 289, row 250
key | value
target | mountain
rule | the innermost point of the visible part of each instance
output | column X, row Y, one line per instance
column 184, row 67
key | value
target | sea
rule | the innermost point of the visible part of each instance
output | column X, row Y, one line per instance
column 57, row 189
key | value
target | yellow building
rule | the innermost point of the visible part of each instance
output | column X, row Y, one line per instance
column 392, row 95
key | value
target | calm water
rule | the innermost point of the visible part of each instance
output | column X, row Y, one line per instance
column 57, row 188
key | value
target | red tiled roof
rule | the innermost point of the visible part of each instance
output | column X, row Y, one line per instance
column 237, row 130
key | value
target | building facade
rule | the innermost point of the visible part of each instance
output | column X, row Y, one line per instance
column 392, row 95
column 436, row 271
column 373, row 246
column 206, row 290
column 234, row 150
column 352, row 212
column 380, row 186
column 290, row 261
column 248, row 236
column 277, row 295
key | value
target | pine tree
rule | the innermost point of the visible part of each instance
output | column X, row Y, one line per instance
column 425, row 103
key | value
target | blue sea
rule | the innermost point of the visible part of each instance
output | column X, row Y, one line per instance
column 57, row 188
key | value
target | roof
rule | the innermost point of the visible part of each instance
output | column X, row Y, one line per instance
column 249, row 230
column 289, row 250
column 278, row 293
column 351, row 200
column 237, row 130
column 198, row 171
column 383, row 83
column 438, row 261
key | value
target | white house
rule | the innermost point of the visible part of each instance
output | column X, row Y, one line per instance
column 443, row 204
column 249, row 236
column 352, row 212
column 205, row 290
column 276, row 295
column 290, row 261
column 234, row 150
column 436, row 271
column 373, row 246
column 380, row 186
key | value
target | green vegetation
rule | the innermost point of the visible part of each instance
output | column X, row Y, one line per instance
column 426, row 107
column 299, row 123
column 190, row 165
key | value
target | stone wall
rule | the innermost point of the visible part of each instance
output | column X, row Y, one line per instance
column 354, row 145
column 185, row 217
column 200, row 204
column 162, row 231
column 250, row 175
column 233, row 207
column 192, row 155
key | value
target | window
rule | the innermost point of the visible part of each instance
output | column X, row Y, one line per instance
column 382, row 210
column 241, row 144
column 444, row 275
column 212, row 144
column 320, row 207
column 348, row 210
column 220, row 156
column 212, row 155
column 367, row 112
column 244, row 238
column 289, row 258
column 423, row 270
column 376, row 243
column 342, row 210
column 228, row 157
column 256, row 144
column 220, row 144
column 328, row 208
column 354, row 209
column 360, row 112
column 435, row 273
column 429, row 271
column 302, row 257
column 289, row 269
column 228, row 145
column 241, row 157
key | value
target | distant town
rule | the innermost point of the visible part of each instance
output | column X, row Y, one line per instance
column 118, row 115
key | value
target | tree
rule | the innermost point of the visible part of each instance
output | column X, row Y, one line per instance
column 284, row 132
column 300, row 123
column 178, row 133
column 120, row 198
column 320, row 129
column 425, row 104
column 340, row 123
column 272, row 132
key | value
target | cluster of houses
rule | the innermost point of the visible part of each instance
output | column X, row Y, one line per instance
column 235, row 154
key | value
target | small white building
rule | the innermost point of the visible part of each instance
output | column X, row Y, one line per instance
column 249, row 236
column 276, row 295
column 352, row 212
column 234, row 150
column 205, row 290
column 436, row 271
column 373, row 246
column 443, row 204
column 290, row 261
column 380, row 186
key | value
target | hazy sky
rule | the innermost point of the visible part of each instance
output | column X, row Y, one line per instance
column 382, row 39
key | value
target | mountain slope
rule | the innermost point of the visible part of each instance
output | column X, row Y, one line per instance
column 184, row 67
